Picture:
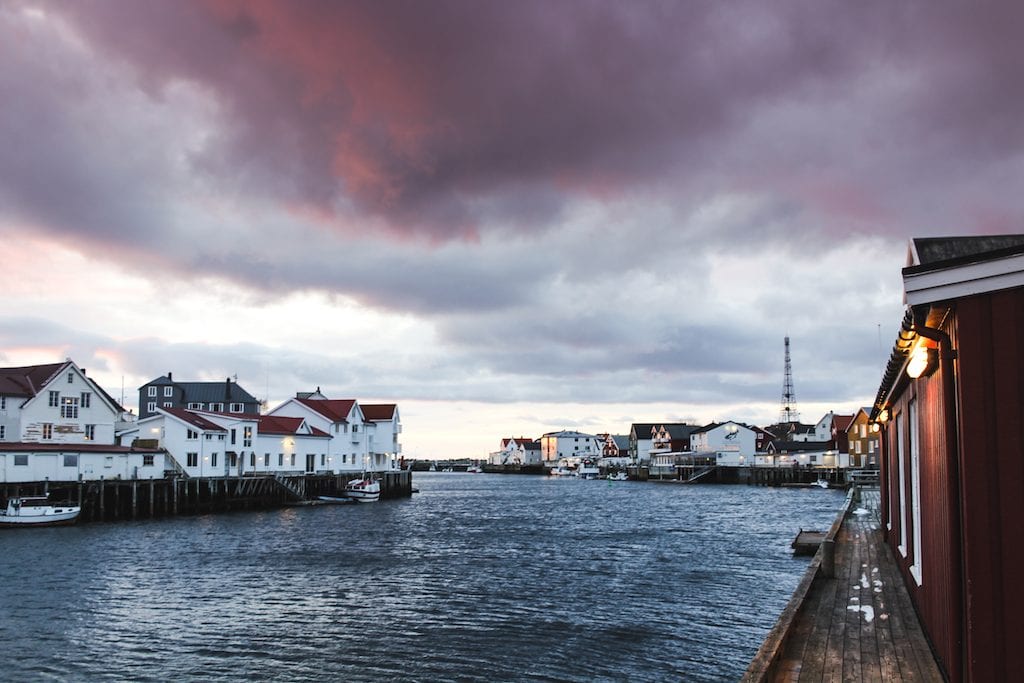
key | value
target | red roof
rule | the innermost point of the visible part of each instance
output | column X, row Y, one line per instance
column 194, row 419
column 378, row 411
column 275, row 424
column 335, row 410
column 842, row 422
column 27, row 381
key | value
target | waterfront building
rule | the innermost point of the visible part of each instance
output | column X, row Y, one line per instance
column 215, row 397
column 517, row 451
column 349, row 429
column 641, row 436
column 57, row 424
column 862, row 440
column 569, row 447
column 732, row 443
column 950, row 409
column 667, row 441
column 383, row 425
column 782, row 453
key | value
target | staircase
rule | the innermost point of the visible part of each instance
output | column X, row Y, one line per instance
column 700, row 474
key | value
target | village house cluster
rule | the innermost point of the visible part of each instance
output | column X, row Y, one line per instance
column 835, row 441
column 57, row 424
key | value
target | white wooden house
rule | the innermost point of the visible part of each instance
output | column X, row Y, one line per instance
column 732, row 443
column 344, row 421
column 569, row 447
column 383, row 425
column 517, row 451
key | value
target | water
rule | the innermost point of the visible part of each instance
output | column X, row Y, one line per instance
column 476, row 578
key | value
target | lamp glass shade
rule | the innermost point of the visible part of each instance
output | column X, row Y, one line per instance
column 918, row 362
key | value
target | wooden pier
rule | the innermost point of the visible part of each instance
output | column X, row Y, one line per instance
column 850, row 618
column 125, row 499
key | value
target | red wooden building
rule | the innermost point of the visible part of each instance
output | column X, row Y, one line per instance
column 950, row 411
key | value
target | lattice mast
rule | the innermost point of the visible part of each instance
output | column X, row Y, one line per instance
column 788, row 413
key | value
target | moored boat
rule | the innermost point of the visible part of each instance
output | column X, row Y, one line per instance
column 475, row 469
column 618, row 476
column 365, row 490
column 27, row 511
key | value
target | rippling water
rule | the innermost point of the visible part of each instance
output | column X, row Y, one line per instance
column 477, row 577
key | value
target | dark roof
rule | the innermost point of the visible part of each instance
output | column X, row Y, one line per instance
column 642, row 428
column 27, row 380
column 379, row 411
column 706, row 428
column 207, row 392
column 194, row 419
column 276, row 424
column 680, row 430
column 934, row 253
column 335, row 410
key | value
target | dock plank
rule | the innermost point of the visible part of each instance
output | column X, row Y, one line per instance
column 860, row 625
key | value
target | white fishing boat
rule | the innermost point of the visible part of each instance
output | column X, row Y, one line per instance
column 26, row 511
column 618, row 476
column 588, row 470
column 561, row 472
column 475, row 469
column 365, row 490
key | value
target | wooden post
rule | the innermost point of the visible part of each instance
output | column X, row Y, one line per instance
column 151, row 501
column 135, row 498
column 174, row 484
column 103, row 512
column 828, row 558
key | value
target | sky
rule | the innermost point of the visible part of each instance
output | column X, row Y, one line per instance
column 507, row 218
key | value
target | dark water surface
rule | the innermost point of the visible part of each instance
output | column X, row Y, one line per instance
column 476, row 578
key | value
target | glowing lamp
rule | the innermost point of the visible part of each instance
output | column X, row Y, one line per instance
column 921, row 359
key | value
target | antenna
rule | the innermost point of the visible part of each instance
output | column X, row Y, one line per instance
column 788, row 413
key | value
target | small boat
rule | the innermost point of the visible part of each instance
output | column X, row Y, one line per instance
column 618, row 476
column 588, row 470
column 475, row 469
column 334, row 500
column 365, row 490
column 561, row 472
column 433, row 467
column 448, row 469
column 821, row 483
column 26, row 511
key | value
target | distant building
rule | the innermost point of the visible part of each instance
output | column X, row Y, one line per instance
column 569, row 445
column 641, row 436
column 214, row 397
column 517, row 451
column 862, row 440
column 732, row 443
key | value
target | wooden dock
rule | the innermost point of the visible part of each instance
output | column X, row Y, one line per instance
column 857, row 624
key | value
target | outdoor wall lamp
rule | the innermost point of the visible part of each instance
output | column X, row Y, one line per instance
column 922, row 362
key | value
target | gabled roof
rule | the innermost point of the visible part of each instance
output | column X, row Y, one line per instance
column 378, row 412
column 642, row 429
column 706, row 428
column 680, row 430
column 841, row 422
column 275, row 424
column 928, row 253
column 28, row 380
column 194, row 419
column 621, row 441
column 206, row 392
column 335, row 410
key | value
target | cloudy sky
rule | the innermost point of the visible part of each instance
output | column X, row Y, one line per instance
column 508, row 217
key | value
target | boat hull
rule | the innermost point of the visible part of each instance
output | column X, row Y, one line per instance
column 21, row 521
column 363, row 491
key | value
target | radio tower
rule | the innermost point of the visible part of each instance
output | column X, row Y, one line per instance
column 789, row 412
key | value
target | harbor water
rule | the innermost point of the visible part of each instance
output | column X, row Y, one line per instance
column 477, row 577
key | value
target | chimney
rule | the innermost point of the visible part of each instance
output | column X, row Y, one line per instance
column 169, row 377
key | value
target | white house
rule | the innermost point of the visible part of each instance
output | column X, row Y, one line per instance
column 383, row 425
column 205, row 444
column 55, row 404
column 517, row 451
column 570, row 447
column 57, row 424
column 732, row 443
column 345, row 422
column 641, row 435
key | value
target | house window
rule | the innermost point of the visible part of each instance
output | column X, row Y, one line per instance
column 266, row 459
column 69, row 408
column 54, row 399
column 293, row 460
column 191, row 435
column 168, row 404
column 168, row 392
column 71, row 378
column 217, row 407
column 232, row 437
column 47, row 430
column 280, row 459
column 21, row 460
column 70, row 460
column 247, row 436
column 90, row 432
column 915, row 494
column 151, row 392
column 147, row 461
column 209, row 437
column 86, row 399
column 213, row 459
column 195, row 406
column 233, row 459
column 901, row 493
column 323, row 460
column 220, row 437
column 3, row 403
column 191, row 459
column 151, row 407
column 3, row 431
column 236, row 407
column 355, row 428
column 108, row 461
